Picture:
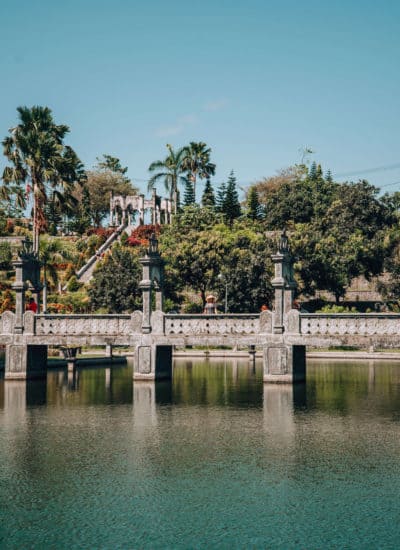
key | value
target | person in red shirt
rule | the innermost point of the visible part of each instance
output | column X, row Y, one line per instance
column 32, row 305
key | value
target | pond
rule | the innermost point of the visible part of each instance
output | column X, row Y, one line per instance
column 215, row 459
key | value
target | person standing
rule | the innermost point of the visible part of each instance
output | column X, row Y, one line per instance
column 32, row 306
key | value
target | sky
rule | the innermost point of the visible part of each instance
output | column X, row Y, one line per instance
column 258, row 81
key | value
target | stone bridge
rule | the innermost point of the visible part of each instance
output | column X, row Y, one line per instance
column 282, row 334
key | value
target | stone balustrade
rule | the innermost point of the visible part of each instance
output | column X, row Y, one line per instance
column 199, row 325
column 109, row 325
column 334, row 324
column 74, row 325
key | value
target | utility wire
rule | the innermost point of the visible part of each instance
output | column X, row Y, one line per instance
column 369, row 170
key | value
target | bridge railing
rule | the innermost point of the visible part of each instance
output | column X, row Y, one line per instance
column 362, row 324
column 73, row 325
column 226, row 324
column 112, row 325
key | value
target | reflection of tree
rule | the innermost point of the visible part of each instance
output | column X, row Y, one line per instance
column 216, row 383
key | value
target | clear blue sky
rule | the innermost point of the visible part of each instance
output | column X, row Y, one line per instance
column 256, row 80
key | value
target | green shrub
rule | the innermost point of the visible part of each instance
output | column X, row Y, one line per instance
column 5, row 255
column 192, row 307
column 73, row 284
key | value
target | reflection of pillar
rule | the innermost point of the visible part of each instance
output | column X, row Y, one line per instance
column 144, row 403
column 73, row 378
column 371, row 375
column 18, row 394
column 235, row 373
column 108, row 378
column 15, row 399
column 279, row 411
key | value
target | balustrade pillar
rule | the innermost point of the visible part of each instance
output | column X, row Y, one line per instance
column 278, row 283
column 19, row 286
column 146, row 286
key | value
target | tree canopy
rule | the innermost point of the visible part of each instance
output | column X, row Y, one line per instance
column 40, row 163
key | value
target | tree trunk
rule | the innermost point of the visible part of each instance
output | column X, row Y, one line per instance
column 44, row 290
column 35, row 221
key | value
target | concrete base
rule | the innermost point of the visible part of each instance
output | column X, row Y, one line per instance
column 284, row 363
column 25, row 362
column 152, row 362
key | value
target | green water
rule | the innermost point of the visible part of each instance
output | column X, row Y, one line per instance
column 215, row 459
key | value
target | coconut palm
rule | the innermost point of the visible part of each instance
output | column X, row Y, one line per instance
column 196, row 162
column 170, row 171
column 52, row 252
column 40, row 161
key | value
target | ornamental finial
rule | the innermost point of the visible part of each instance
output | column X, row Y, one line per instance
column 283, row 244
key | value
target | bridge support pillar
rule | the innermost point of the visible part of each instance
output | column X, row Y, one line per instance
column 152, row 362
column 284, row 363
column 24, row 362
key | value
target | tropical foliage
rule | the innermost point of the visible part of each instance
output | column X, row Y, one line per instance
column 40, row 164
column 171, row 172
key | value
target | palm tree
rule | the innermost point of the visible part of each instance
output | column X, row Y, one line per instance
column 170, row 170
column 196, row 162
column 40, row 161
column 52, row 252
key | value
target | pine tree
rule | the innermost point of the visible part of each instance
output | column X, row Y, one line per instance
column 312, row 173
column 53, row 216
column 189, row 197
column 329, row 177
column 220, row 200
column 231, row 206
column 208, row 198
column 254, row 209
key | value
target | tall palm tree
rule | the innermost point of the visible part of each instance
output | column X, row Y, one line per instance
column 171, row 172
column 52, row 252
column 40, row 161
column 196, row 162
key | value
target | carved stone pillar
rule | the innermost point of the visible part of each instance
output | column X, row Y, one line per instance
column 111, row 209
column 152, row 362
column 283, row 283
column 284, row 363
column 24, row 362
column 141, row 209
column 278, row 283
column 154, row 206
column 19, row 286
column 146, row 286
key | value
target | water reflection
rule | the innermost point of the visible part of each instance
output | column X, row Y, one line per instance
column 17, row 395
column 229, row 383
column 212, row 443
column 90, row 385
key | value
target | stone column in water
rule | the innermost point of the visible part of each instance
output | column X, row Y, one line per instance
column 152, row 360
column 283, row 362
